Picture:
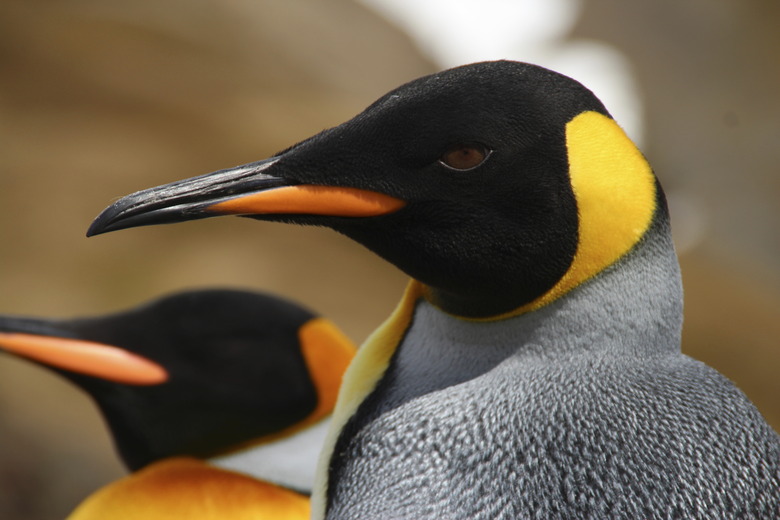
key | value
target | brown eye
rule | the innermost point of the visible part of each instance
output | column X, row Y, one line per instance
column 464, row 156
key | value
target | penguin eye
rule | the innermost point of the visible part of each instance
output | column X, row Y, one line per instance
column 464, row 156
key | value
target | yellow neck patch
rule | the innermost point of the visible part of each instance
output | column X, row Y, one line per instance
column 615, row 191
column 360, row 379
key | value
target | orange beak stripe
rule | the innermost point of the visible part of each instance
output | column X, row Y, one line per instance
column 85, row 357
column 311, row 200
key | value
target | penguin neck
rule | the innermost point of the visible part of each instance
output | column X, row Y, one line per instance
column 633, row 307
column 630, row 311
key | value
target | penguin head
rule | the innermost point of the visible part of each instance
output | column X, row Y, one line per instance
column 199, row 373
column 463, row 179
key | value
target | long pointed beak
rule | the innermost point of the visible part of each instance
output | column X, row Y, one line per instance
column 84, row 357
column 244, row 190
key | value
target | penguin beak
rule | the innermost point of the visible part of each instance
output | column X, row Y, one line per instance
column 84, row 357
column 247, row 190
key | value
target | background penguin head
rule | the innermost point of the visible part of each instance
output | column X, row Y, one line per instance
column 468, row 170
column 233, row 367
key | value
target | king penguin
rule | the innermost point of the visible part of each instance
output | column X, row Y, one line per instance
column 216, row 399
column 533, row 367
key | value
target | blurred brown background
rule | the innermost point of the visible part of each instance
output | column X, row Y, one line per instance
column 101, row 98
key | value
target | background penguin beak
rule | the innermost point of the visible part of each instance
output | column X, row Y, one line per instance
column 244, row 190
column 84, row 357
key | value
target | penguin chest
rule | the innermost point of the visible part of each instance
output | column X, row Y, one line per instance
column 426, row 456
column 438, row 432
column 463, row 430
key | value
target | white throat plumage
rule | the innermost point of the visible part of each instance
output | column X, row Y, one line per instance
column 290, row 462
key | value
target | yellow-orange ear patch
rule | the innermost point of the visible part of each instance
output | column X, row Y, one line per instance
column 615, row 191
column 328, row 353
